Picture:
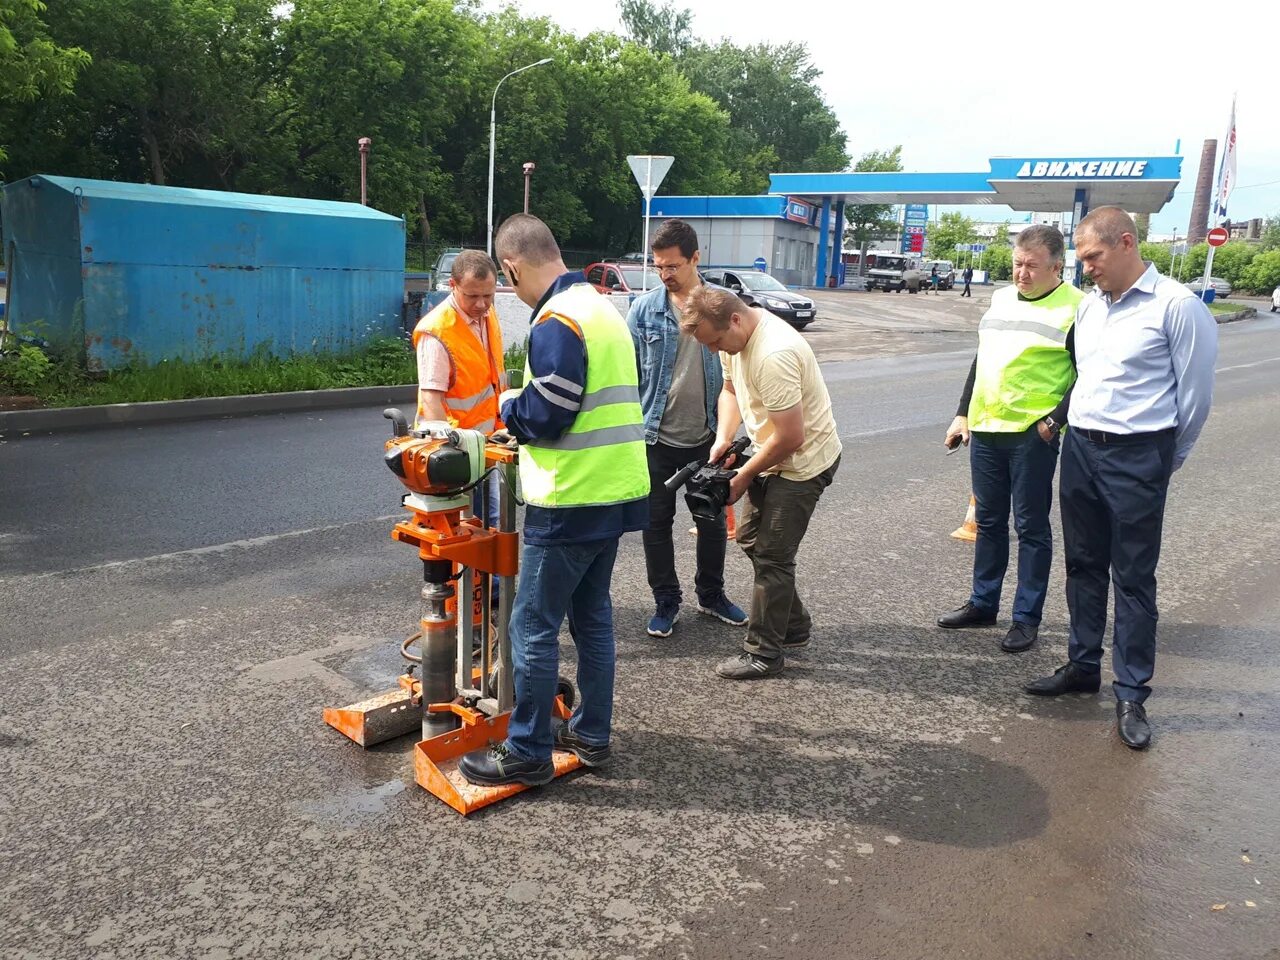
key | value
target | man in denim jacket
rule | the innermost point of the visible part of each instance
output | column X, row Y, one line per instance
column 680, row 381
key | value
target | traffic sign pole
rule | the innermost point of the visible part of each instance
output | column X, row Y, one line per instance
column 649, row 171
column 1215, row 238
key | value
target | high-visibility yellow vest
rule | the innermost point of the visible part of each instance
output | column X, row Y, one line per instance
column 1023, row 365
column 601, row 458
column 475, row 374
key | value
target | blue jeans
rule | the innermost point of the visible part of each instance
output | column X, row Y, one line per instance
column 1015, row 470
column 491, row 512
column 570, row 579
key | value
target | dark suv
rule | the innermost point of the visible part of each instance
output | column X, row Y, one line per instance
column 761, row 290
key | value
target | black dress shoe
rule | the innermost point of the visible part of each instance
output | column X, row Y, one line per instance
column 1131, row 719
column 1020, row 637
column 967, row 616
column 1066, row 679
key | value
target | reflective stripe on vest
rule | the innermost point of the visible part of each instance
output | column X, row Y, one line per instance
column 1023, row 365
column 467, row 403
column 601, row 458
column 471, row 401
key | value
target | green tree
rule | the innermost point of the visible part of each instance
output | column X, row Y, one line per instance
column 353, row 69
column 1263, row 273
column 1271, row 233
column 1191, row 265
column 773, row 100
column 663, row 29
column 32, row 65
column 951, row 229
column 873, row 221
column 174, row 91
column 1231, row 260
column 998, row 262
column 1157, row 253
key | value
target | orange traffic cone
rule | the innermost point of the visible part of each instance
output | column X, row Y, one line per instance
column 968, row 531
column 731, row 524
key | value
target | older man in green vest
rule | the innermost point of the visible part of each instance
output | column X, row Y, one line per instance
column 1011, row 413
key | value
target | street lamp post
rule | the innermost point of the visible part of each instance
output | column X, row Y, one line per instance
column 528, row 172
column 493, row 131
column 363, row 143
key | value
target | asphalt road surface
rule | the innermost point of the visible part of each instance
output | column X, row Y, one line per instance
column 177, row 604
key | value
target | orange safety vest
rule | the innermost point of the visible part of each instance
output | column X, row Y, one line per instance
column 475, row 375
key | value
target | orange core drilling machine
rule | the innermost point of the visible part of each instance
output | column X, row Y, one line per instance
column 463, row 696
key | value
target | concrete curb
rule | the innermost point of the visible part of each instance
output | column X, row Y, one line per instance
column 166, row 411
column 1245, row 314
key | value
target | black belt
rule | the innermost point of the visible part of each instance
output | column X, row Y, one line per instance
column 1102, row 436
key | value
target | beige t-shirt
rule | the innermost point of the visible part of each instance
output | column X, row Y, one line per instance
column 775, row 371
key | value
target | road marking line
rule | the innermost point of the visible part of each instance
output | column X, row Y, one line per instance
column 201, row 551
column 1242, row 366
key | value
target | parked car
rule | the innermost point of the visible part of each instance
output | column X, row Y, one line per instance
column 761, row 290
column 443, row 269
column 946, row 273
column 1275, row 299
column 608, row 277
column 1221, row 288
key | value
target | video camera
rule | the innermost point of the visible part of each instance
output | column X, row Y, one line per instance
column 708, row 482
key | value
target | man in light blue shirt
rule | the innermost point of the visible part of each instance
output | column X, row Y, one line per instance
column 1145, row 354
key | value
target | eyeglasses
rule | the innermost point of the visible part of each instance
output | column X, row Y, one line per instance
column 664, row 270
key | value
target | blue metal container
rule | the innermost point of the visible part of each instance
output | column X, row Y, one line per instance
column 137, row 272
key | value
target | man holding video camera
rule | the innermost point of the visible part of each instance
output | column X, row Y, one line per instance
column 773, row 387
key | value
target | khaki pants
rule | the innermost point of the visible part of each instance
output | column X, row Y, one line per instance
column 775, row 521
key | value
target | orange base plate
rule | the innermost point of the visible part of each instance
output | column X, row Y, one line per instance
column 435, row 763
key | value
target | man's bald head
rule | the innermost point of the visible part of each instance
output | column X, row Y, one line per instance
column 526, row 239
column 1109, row 224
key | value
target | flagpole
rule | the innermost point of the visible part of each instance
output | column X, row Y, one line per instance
column 1220, row 201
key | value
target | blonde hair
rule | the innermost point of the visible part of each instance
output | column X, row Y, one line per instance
column 715, row 305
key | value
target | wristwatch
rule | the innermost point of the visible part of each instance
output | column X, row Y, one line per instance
column 1051, row 424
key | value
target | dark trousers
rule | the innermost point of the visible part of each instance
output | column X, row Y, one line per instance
column 774, row 523
column 659, row 549
column 1012, row 470
column 967, row 291
column 1113, row 497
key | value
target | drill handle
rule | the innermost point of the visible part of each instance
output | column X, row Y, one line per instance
column 399, row 423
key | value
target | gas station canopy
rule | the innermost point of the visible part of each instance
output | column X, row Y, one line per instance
column 1033, row 184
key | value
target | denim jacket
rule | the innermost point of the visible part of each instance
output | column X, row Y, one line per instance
column 656, row 335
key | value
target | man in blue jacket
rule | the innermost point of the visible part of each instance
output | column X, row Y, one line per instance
column 680, row 381
column 585, row 484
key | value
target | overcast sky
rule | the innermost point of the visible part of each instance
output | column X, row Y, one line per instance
column 1082, row 79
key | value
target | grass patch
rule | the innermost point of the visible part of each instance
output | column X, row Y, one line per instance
column 382, row 361
column 1226, row 306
